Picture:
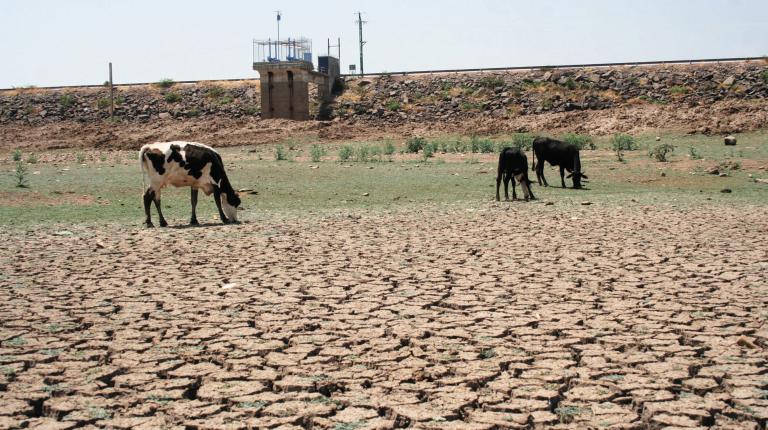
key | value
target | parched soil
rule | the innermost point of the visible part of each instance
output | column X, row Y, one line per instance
column 482, row 317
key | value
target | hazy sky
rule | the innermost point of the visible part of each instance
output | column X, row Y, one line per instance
column 58, row 42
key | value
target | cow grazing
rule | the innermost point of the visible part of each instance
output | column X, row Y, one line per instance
column 513, row 164
column 187, row 164
column 557, row 153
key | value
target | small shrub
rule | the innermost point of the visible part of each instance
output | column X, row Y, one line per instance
column 227, row 99
column 660, row 152
column 20, row 175
column 694, row 153
column 67, row 100
column 362, row 153
column 414, row 144
column 474, row 144
column 460, row 146
column 16, row 156
column 80, row 157
column 172, row 97
column 106, row 83
column 486, row 146
column 764, row 75
column 389, row 147
column 32, row 158
column 165, row 83
column 623, row 142
column 194, row 112
column 678, row 90
column 393, row 105
column 524, row 141
column 570, row 84
column 119, row 100
column 215, row 91
column 103, row 158
column 280, row 154
column 582, row 141
column 428, row 151
column 345, row 152
column 492, row 81
column 487, row 353
column 316, row 152
column 103, row 103
column 251, row 110
column 376, row 153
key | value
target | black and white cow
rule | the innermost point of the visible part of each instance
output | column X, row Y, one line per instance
column 187, row 164
column 557, row 153
column 513, row 164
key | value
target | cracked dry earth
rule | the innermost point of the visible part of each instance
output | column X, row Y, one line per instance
column 488, row 317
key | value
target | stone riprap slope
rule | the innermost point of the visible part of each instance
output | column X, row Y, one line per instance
column 589, row 317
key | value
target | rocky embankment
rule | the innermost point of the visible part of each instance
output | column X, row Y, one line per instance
column 132, row 103
column 701, row 98
column 510, row 94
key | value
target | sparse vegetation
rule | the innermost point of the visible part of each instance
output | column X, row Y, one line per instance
column 389, row 148
column 678, row 90
column 428, row 151
column 20, row 175
column 215, row 91
column 103, row 103
column 623, row 142
column 414, row 144
column 172, row 97
column 362, row 153
column 487, row 353
column 492, row 81
column 345, row 152
column 570, row 84
column 661, row 152
column 316, row 152
column 16, row 155
column 67, row 101
column 694, row 153
column 165, row 83
column 524, row 141
column 764, row 75
column 393, row 105
column 250, row 110
column 32, row 158
column 280, row 153
column 80, row 157
column 582, row 141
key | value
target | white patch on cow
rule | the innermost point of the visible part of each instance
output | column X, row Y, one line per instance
column 175, row 174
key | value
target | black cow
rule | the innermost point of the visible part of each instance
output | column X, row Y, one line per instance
column 187, row 164
column 513, row 164
column 557, row 153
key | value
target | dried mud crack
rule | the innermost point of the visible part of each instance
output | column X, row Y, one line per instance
column 579, row 317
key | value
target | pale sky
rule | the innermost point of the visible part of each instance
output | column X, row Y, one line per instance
column 58, row 42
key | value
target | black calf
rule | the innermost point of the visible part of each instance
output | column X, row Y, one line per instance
column 513, row 164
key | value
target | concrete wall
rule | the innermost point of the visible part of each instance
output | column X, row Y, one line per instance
column 285, row 93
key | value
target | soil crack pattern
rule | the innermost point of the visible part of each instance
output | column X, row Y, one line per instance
column 429, row 318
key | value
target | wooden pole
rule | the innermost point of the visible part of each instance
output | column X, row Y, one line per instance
column 111, row 94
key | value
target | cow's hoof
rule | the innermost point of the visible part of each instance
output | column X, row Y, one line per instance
column 194, row 222
column 163, row 224
column 149, row 225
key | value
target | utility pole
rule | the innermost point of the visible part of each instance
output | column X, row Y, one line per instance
column 360, row 23
column 111, row 94
column 278, row 34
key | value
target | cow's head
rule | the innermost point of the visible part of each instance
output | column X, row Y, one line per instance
column 229, row 205
column 577, row 178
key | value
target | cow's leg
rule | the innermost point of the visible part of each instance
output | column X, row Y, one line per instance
column 506, row 187
column 498, row 183
column 562, row 175
column 525, row 184
column 193, row 220
column 540, row 173
column 217, row 199
column 163, row 223
column 514, row 193
column 528, row 185
column 149, row 195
